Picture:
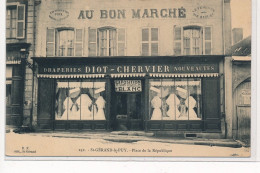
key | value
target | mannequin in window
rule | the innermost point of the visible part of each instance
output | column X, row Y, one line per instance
column 182, row 93
column 173, row 102
column 191, row 103
column 100, row 103
column 156, row 104
column 84, row 103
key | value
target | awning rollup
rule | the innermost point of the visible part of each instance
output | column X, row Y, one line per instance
column 55, row 76
column 127, row 75
column 183, row 75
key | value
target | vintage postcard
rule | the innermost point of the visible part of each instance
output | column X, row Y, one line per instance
column 142, row 78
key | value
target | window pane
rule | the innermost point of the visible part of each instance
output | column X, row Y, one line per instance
column 194, row 99
column 20, row 29
column 79, row 35
column 112, row 43
column 121, row 49
column 92, row 35
column 78, row 49
column 50, row 49
column 20, row 12
column 154, row 48
column 154, row 34
column 177, row 48
column 155, row 99
column 50, row 35
column 145, row 49
column 177, row 35
column 99, row 99
column 121, row 34
column 207, row 33
column 208, row 48
column 92, row 49
column 181, row 91
column 145, row 34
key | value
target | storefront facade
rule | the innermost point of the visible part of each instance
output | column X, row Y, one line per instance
column 112, row 65
column 16, row 40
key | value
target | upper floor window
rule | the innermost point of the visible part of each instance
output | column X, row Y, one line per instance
column 150, row 41
column 15, row 21
column 107, row 41
column 192, row 40
column 64, row 42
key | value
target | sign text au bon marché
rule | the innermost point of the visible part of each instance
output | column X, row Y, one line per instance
column 110, row 69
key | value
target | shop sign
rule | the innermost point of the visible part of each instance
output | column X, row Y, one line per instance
column 125, row 69
column 59, row 14
column 134, row 13
column 128, row 86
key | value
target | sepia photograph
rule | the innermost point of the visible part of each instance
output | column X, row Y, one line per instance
column 128, row 78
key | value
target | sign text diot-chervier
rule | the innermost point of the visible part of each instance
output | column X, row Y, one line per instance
column 110, row 69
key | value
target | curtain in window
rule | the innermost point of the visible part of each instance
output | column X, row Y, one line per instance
column 80, row 100
column 178, row 99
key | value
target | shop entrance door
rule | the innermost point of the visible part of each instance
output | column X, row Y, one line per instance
column 127, row 112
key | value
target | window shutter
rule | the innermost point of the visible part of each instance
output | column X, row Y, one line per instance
column 50, row 42
column 121, row 41
column 154, row 41
column 208, row 40
column 92, row 42
column 145, row 41
column 20, row 32
column 177, row 40
column 79, row 42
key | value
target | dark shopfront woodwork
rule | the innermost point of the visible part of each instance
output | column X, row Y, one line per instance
column 14, row 111
column 127, row 105
column 130, row 116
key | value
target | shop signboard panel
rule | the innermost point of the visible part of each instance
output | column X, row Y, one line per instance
column 128, row 86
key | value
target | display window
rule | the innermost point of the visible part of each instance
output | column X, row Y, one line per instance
column 175, row 99
column 80, row 100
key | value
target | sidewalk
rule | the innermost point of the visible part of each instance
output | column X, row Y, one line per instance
column 135, row 136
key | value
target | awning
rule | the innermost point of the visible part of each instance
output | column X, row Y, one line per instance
column 175, row 83
column 241, row 58
column 127, row 75
column 70, row 75
column 81, row 84
column 183, row 75
column 13, row 62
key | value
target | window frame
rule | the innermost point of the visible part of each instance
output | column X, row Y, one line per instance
column 181, row 40
column 55, row 41
column 18, row 20
column 97, row 42
column 150, row 41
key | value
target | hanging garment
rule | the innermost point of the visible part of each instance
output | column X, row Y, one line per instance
column 67, row 104
column 156, row 104
column 173, row 102
column 190, row 102
column 84, row 103
column 100, row 115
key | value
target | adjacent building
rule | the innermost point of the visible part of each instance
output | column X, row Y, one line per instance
column 132, row 65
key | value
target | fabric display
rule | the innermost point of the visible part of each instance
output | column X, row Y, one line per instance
column 156, row 104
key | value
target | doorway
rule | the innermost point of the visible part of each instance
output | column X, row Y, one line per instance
column 127, row 105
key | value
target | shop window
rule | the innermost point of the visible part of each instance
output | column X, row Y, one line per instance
column 175, row 99
column 15, row 21
column 64, row 42
column 107, row 41
column 80, row 100
column 150, row 40
column 192, row 40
